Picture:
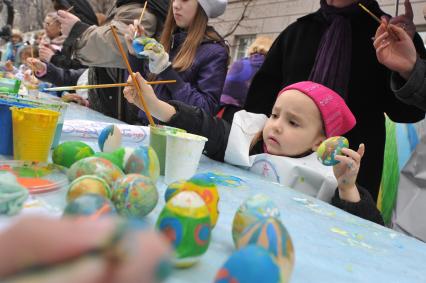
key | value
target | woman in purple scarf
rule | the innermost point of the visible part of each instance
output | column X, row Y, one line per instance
column 333, row 46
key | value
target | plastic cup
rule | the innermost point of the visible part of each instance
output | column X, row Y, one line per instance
column 158, row 141
column 183, row 153
column 33, row 132
column 50, row 104
column 9, row 85
column 6, row 134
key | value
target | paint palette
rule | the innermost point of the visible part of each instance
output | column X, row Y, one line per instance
column 37, row 177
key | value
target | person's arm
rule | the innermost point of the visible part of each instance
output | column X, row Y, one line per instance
column 365, row 208
column 62, row 61
column 349, row 196
column 268, row 80
column 190, row 118
column 58, row 76
column 413, row 90
column 206, row 91
column 96, row 45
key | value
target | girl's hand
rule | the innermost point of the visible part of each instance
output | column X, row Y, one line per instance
column 346, row 172
column 159, row 109
column 131, row 93
column 133, row 29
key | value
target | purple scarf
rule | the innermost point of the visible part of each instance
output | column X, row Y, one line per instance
column 332, row 65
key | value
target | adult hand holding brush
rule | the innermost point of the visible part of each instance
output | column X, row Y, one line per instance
column 395, row 49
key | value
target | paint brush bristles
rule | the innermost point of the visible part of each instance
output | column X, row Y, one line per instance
column 370, row 13
column 134, row 81
column 77, row 87
column 140, row 18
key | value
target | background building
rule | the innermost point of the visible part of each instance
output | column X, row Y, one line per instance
column 245, row 19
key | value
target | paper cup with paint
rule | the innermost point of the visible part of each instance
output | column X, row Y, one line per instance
column 33, row 131
column 6, row 136
column 158, row 141
column 183, row 153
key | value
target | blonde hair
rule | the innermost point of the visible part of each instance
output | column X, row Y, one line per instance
column 17, row 32
column 197, row 31
column 261, row 45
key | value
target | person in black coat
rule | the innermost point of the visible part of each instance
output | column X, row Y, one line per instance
column 333, row 46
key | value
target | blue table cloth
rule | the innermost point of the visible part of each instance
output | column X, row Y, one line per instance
column 330, row 245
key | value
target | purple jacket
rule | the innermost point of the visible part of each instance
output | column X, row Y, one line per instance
column 239, row 78
column 201, row 85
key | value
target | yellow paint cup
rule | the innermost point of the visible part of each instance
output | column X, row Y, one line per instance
column 33, row 131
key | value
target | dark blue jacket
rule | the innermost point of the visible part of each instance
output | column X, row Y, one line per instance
column 200, row 85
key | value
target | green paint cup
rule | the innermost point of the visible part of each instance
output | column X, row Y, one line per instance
column 158, row 141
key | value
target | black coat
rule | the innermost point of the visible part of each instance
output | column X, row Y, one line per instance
column 291, row 59
column 196, row 121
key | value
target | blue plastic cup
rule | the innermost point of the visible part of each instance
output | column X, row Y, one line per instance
column 6, row 133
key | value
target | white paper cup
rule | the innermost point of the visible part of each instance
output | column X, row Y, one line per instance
column 183, row 153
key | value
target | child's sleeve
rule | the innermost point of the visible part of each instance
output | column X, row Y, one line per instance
column 365, row 208
column 196, row 121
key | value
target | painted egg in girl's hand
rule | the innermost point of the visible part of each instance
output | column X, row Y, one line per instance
column 329, row 148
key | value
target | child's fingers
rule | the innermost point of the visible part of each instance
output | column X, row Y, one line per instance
column 351, row 154
column 350, row 163
column 361, row 150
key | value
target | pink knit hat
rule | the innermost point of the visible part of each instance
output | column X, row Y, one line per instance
column 336, row 116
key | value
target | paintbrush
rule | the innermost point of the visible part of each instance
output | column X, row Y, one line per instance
column 66, row 88
column 140, row 18
column 135, row 82
column 370, row 13
column 377, row 19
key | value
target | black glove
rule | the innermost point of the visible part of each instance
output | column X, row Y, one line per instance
column 6, row 32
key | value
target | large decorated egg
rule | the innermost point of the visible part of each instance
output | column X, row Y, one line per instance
column 67, row 153
column 90, row 205
column 251, row 264
column 272, row 235
column 142, row 160
column 185, row 221
column 207, row 190
column 95, row 166
column 109, row 138
column 252, row 210
column 134, row 195
column 329, row 148
column 88, row 184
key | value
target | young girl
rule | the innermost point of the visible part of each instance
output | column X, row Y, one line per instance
column 192, row 53
column 303, row 116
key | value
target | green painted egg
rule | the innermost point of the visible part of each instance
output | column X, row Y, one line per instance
column 185, row 221
column 67, row 153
